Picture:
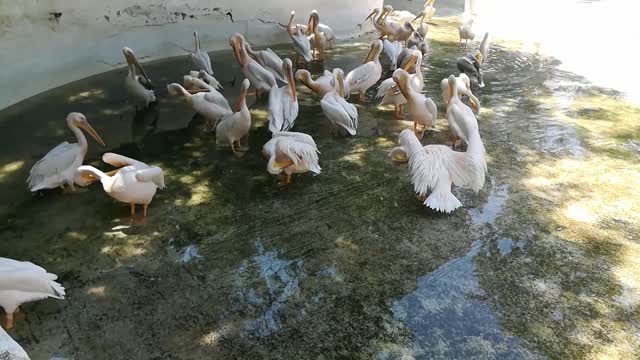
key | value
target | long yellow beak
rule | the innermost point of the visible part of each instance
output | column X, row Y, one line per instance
column 340, row 85
column 92, row 132
column 400, row 158
column 282, row 165
column 450, row 90
column 237, row 50
column 370, row 15
column 112, row 172
column 370, row 55
column 473, row 104
column 412, row 61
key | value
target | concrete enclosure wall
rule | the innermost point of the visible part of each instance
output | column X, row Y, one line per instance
column 47, row 43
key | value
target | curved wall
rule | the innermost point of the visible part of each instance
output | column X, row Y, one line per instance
column 48, row 43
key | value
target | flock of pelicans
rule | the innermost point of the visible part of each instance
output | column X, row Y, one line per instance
column 401, row 47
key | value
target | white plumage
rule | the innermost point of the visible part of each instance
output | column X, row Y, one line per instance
column 366, row 75
column 134, row 182
column 484, row 48
column 200, row 58
column 463, row 86
column 235, row 126
column 138, row 86
column 21, row 282
column 339, row 112
column 57, row 167
column 317, row 38
column 465, row 32
column 300, row 41
column 291, row 153
column 421, row 109
column 283, row 102
column 206, row 78
column 391, row 94
column 209, row 103
column 320, row 86
column 269, row 60
column 261, row 78
column 390, row 51
column 459, row 115
column 423, row 28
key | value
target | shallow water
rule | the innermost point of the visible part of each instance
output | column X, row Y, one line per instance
column 229, row 264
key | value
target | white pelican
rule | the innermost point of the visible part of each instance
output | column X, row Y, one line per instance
column 269, row 60
column 200, row 58
column 21, row 282
column 366, row 75
column 139, row 87
column 472, row 67
column 484, row 48
column 134, row 182
column 300, row 41
column 336, row 108
column 317, row 38
column 212, row 105
column 390, row 51
column 10, row 348
column 414, row 40
column 464, row 89
column 422, row 110
column 283, row 102
column 330, row 37
column 291, row 153
column 235, row 126
column 434, row 168
column 375, row 16
column 423, row 28
column 320, row 86
column 261, row 78
column 429, row 10
column 466, row 32
column 209, row 79
column 459, row 115
column 56, row 168
column 398, row 30
column 388, row 89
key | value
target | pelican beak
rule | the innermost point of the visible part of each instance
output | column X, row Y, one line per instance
column 196, row 91
column 292, row 82
column 420, row 15
column 282, row 165
column 311, row 25
column 450, row 89
column 237, row 50
column 371, row 15
column 371, row 54
column 400, row 158
column 473, row 104
column 412, row 61
column 86, row 127
column 133, row 60
column 110, row 173
column 340, row 85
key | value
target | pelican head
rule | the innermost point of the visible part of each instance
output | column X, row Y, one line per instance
column 304, row 76
column 338, row 79
column 453, row 90
column 287, row 69
column 401, row 78
column 375, row 12
column 314, row 20
column 78, row 120
column 414, row 59
column 376, row 49
column 388, row 9
column 132, row 61
column 237, row 44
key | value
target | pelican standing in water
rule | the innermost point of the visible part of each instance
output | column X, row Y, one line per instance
column 283, row 102
column 21, row 282
column 388, row 89
column 261, row 78
column 210, row 104
column 323, row 28
column 134, row 182
column 139, row 87
column 317, row 38
column 366, row 75
column 459, row 115
column 336, row 108
column 463, row 89
column 269, row 60
column 236, row 125
column 200, row 58
column 422, row 110
column 57, row 167
column 291, row 153
column 300, row 41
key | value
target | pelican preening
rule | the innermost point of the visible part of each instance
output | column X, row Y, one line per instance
column 208, row 79
column 300, row 41
column 339, row 112
column 366, row 75
column 397, row 30
column 21, row 282
column 137, row 83
column 388, row 89
column 422, row 110
column 57, row 167
column 261, row 78
column 317, row 38
column 463, row 89
column 236, row 125
column 269, row 60
column 466, row 32
column 199, row 57
column 471, row 66
column 134, row 182
column 283, row 102
column 291, row 153
column 459, row 115
column 320, row 86
column 212, row 105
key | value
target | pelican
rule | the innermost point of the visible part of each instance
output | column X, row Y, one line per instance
column 390, row 51
column 471, row 66
column 466, row 32
column 464, row 89
column 366, row 75
column 300, row 41
column 434, row 168
column 236, row 125
column 459, row 115
column 291, row 153
column 134, row 182
column 398, row 30
column 414, row 40
column 10, row 348
column 21, row 282
column 401, row 16
column 212, row 105
column 139, row 87
column 270, row 61
column 209, row 79
column 429, row 10
column 283, row 102
column 320, row 86
column 422, row 110
column 375, row 16
column 336, row 108
column 484, row 48
column 56, row 168
column 389, row 92
column 200, row 58
column 323, row 28
column 423, row 28
column 261, row 79
column 317, row 38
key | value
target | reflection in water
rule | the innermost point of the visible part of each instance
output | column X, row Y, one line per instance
column 281, row 278
column 490, row 211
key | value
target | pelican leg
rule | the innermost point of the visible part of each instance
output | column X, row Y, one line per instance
column 133, row 209
column 8, row 321
column 362, row 97
column 288, row 179
column 144, row 210
column 400, row 112
column 233, row 149
column 415, row 125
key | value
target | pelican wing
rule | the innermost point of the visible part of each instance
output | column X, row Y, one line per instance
column 201, row 61
column 214, row 97
column 388, row 86
column 272, row 62
column 432, row 107
column 151, row 174
column 302, row 45
column 60, row 158
column 298, row 152
column 283, row 110
column 118, row 161
column 298, row 135
column 360, row 75
column 260, row 73
column 340, row 112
